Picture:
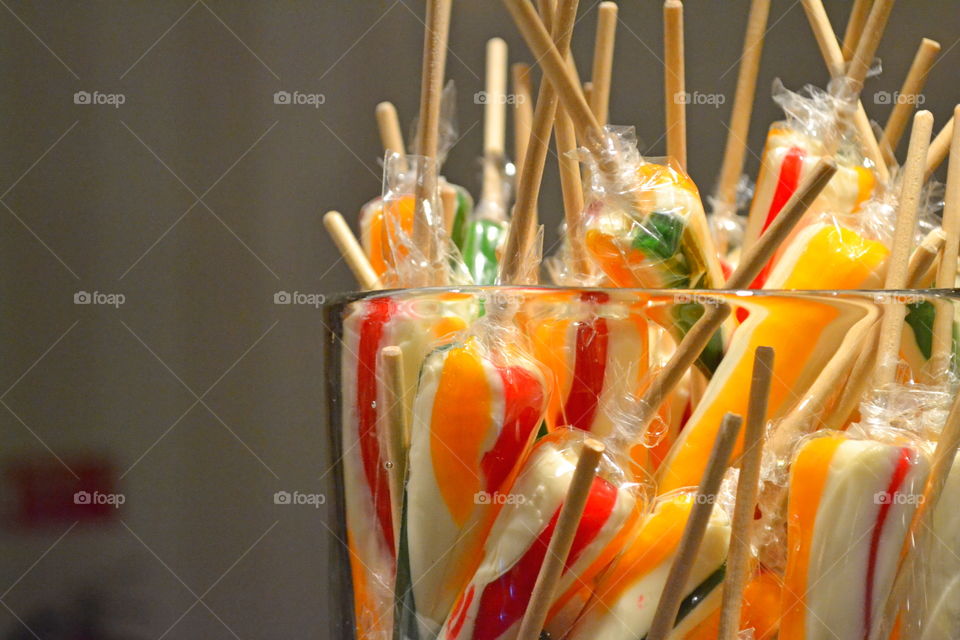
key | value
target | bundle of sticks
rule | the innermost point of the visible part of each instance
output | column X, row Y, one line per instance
column 567, row 461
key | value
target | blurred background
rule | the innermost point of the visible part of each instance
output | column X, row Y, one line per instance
column 155, row 199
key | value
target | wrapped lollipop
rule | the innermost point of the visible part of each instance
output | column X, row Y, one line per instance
column 487, row 230
column 850, row 506
column 597, row 354
column 477, row 409
column 387, row 220
column 369, row 326
column 495, row 601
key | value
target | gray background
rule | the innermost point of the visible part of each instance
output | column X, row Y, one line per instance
column 198, row 199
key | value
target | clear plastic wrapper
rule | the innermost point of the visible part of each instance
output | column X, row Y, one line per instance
column 478, row 408
column 387, row 228
column 813, row 130
column 369, row 326
column 648, row 228
column 493, row 604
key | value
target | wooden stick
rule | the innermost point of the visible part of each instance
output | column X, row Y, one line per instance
column 750, row 265
column 396, row 430
column 494, row 118
column 947, row 272
column 522, row 113
column 351, row 250
column 561, row 541
column 836, row 65
column 571, row 183
column 388, row 123
column 674, row 81
column 675, row 588
column 448, row 200
column 738, row 557
column 907, row 99
column 858, row 18
column 524, row 224
column 431, row 90
column 603, row 60
column 736, row 149
column 868, row 43
column 924, row 259
column 939, row 148
column 891, row 329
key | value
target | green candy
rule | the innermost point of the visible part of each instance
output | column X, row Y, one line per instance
column 484, row 237
column 458, row 234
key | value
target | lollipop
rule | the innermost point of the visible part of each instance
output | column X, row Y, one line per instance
column 477, row 409
column 850, row 506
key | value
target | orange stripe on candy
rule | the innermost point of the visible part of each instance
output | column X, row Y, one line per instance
column 808, row 477
column 459, row 427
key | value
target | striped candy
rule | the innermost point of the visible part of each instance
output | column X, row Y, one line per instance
column 850, row 507
column 596, row 353
column 626, row 597
column 493, row 603
column 788, row 157
column 370, row 325
column 477, row 411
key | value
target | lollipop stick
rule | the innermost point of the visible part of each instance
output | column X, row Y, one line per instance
column 907, row 99
column 396, row 429
column 494, row 118
column 674, row 82
column 561, row 541
column 939, row 148
column 738, row 558
column 836, row 65
column 868, row 43
column 351, row 250
column 603, row 60
column 431, row 90
column 522, row 113
column 388, row 123
column 695, row 529
column 736, row 149
column 858, row 18
column 947, row 272
column 899, row 260
column 571, row 183
column 524, row 224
